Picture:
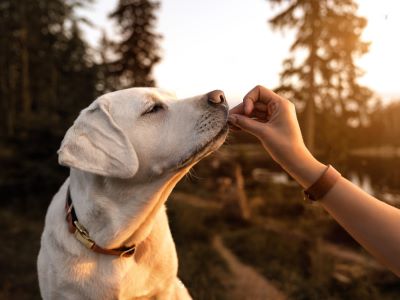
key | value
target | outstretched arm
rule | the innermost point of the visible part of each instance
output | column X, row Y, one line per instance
column 373, row 223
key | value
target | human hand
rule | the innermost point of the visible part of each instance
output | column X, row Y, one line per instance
column 272, row 119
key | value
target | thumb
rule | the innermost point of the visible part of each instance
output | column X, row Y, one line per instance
column 252, row 126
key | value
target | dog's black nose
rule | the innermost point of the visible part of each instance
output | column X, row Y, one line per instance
column 216, row 97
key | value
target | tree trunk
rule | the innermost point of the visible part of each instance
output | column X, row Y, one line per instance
column 241, row 193
column 11, row 109
column 26, row 93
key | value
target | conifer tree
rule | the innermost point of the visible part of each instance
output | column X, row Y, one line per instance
column 320, row 73
column 78, row 73
column 45, row 69
column 138, row 50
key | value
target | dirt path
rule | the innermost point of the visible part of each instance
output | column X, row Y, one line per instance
column 245, row 282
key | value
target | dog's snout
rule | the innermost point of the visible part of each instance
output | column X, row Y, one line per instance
column 216, row 97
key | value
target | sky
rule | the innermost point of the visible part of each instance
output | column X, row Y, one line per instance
column 228, row 45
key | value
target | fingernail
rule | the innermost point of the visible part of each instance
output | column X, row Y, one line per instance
column 232, row 119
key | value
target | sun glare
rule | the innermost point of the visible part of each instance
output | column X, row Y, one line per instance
column 382, row 63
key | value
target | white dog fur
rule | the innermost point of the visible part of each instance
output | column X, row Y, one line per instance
column 126, row 152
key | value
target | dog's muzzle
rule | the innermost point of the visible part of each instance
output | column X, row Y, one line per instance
column 216, row 99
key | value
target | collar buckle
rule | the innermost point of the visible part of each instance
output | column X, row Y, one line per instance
column 82, row 235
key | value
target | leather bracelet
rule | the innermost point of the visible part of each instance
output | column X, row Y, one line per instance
column 323, row 184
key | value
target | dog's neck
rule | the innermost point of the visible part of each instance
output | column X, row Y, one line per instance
column 119, row 212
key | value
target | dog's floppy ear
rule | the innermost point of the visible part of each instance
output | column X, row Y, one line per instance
column 96, row 144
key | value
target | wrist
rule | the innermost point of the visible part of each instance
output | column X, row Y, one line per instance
column 303, row 167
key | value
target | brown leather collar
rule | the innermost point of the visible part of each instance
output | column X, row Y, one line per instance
column 82, row 235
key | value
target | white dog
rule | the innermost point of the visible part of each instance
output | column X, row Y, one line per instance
column 106, row 234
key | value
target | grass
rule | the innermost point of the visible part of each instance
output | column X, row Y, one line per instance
column 300, row 268
column 200, row 266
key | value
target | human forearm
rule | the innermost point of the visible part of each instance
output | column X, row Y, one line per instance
column 373, row 223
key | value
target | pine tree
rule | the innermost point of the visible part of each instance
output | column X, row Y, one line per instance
column 46, row 77
column 137, row 52
column 78, row 73
column 328, row 36
column 45, row 67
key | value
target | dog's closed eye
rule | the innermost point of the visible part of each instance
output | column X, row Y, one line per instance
column 156, row 107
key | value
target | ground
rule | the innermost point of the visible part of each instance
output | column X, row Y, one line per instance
column 287, row 248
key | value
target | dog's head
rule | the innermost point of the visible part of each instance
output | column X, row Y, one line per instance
column 142, row 132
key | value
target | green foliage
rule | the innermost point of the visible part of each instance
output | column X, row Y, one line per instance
column 46, row 71
column 47, row 76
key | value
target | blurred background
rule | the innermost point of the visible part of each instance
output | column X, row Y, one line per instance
column 241, row 227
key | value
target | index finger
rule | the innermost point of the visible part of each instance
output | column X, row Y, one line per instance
column 259, row 93
column 238, row 109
